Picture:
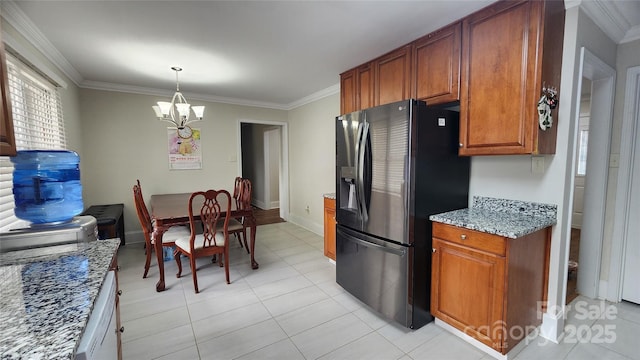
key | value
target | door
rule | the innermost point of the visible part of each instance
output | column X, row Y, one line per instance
column 376, row 272
column 348, row 135
column 467, row 290
column 630, row 283
column 392, row 74
column 385, row 171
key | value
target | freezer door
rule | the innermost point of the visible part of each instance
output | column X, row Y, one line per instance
column 385, row 171
column 376, row 272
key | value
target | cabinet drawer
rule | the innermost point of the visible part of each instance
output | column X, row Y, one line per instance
column 475, row 239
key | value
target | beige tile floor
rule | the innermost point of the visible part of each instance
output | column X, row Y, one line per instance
column 291, row 308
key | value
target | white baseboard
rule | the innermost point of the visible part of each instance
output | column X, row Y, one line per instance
column 274, row 205
column 307, row 224
column 488, row 350
column 603, row 288
column 553, row 325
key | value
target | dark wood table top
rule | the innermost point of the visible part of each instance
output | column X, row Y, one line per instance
column 175, row 208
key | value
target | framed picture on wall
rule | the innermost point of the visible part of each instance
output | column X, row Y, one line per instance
column 185, row 149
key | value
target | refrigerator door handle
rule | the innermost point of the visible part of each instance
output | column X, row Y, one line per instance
column 357, row 164
column 355, row 239
column 360, row 179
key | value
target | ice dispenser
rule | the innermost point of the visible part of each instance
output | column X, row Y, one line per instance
column 348, row 188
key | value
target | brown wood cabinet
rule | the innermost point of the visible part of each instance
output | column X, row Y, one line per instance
column 510, row 50
column 495, row 61
column 348, row 89
column 356, row 89
column 392, row 76
column 330, row 228
column 436, row 66
column 7, row 138
column 488, row 286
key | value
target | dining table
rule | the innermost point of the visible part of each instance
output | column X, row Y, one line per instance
column 169, row 210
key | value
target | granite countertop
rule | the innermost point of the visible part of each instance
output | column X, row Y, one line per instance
column 329, row 195
column 47, row 297
column 508, row 218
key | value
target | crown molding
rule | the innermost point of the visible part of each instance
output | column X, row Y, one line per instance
column 611, row 17
column 331, row 90
column 16, row 18
column 631, row 35
column 105, row 86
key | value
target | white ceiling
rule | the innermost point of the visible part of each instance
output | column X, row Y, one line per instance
column 267, row 53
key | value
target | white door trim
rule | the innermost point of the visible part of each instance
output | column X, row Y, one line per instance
column 267, row 166
column 630, row 133
column 284, row 160
column 602, row 78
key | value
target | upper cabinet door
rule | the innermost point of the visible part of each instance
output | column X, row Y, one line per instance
column 7, row 139
column 437, row 66
column 499, row 59
column 348, row 99
column 393, row 76
column 365, row 86
column 503, row 74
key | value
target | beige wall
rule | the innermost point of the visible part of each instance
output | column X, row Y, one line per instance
column 124, row 142
column 312, row 160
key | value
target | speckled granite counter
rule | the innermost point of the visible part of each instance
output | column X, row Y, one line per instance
column 329, row 196
column 509, row 218
column 47, row 298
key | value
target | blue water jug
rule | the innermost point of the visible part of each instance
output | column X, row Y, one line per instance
column 46, row 185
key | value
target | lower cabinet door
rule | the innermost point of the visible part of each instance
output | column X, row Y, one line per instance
column 468, row 291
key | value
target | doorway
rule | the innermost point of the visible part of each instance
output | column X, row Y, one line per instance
column 602, row 78
column 580, row 179
column 625, row 247
column 263, row 150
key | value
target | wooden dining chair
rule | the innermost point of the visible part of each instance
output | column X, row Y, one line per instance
column 237, row 188
column 238, row 226
column 213, row 210
column 168, row 238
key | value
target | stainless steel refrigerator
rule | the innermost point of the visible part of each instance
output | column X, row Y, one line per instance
column 396, row 164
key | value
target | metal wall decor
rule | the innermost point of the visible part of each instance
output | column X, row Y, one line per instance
column 548, row 101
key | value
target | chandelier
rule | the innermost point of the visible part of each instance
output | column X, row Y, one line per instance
column 178, row 111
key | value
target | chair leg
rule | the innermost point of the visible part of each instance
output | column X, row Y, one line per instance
column 244, row 236
column 239, row 238
column 192, row 260
column 148, row 260
column 226, row 263
column 179, row 263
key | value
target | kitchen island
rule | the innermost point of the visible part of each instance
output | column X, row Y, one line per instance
column 48, row 295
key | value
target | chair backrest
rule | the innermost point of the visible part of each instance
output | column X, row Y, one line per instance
column 236, row 188
column 244, row 199
column 213, row 209
column 143, row 213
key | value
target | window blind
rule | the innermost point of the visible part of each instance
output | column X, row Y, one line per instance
column 37, row 123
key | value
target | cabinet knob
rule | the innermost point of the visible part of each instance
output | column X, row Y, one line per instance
column 463, row 237
column 121, row 329
column 433, row 250
column 119, row 292
column 460, row 145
